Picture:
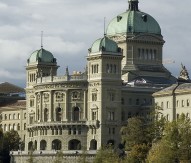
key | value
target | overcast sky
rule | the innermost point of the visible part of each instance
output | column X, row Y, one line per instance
column 71, row 26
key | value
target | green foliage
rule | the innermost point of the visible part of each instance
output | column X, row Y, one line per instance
column 11, row 140
column 161, row 153
column 139, row 153
column 8, row 141
column 175, row 144
column 106, row 155
column 134, row 133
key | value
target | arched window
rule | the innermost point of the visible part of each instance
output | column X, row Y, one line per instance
column 9, row 116
column 177, row 116
column 45, row 115
column 95, row 69
column 14, row 127
column 56, row 144
column 30, row 145
column 74, row 144
column 5, row 116
column 5, row 127
column 177, row 103
column 76, row 114
column 43, row 145
column 93, row 144
column 19, row 116
column 35, row 145
column 182, row 103
column 92, row 69
column 25, row 116
column 167, row 104
column 188, row 102
column 58, row 114
column 18, row 126
column 9, row 127
column 167, row 117
column 13, row 116
column 24, row 126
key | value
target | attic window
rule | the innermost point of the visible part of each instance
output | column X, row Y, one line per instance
column 144, row 17
column 119, row 18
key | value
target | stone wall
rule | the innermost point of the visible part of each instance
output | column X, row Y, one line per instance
column 51, row 156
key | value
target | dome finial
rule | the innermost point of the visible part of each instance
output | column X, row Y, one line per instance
column 133, row 5
column 41, row 39
column 104, row 26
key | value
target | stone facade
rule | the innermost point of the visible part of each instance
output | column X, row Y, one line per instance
column 87, row 109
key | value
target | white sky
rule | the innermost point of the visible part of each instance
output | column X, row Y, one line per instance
column 71, row 26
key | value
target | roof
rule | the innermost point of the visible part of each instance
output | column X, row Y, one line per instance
column 6, row 88
column 175, row 88
column 104, row 44
column 14, row 104
column 154, row 81
column 41, row 55
column 133, row 21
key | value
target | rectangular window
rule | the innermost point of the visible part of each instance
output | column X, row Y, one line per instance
column 94, row 115
column 113, row 130
column 111, row 116
column 112, row 96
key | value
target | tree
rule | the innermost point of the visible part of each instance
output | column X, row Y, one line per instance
column 161, row 153
column 11, row 140
column 176, row 142
column 106, row 155
column 1, row 144
column 134, row 132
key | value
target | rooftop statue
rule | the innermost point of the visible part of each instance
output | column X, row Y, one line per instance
column 184, row 73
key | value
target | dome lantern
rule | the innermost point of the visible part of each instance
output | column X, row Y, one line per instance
column 133, row 5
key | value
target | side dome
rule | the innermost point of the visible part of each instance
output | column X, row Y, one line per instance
column 41, row 55
column 133, row 21
column 104, row 44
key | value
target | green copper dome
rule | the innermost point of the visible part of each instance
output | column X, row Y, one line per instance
column 104, row 44
column 133, row 21
column 41, row 55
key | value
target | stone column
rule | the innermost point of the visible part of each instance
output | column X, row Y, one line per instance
column 41, row 105
column 85, row 105
column 66, row 105
column 50, row 109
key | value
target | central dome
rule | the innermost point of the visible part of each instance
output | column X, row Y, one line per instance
column 133, row 21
